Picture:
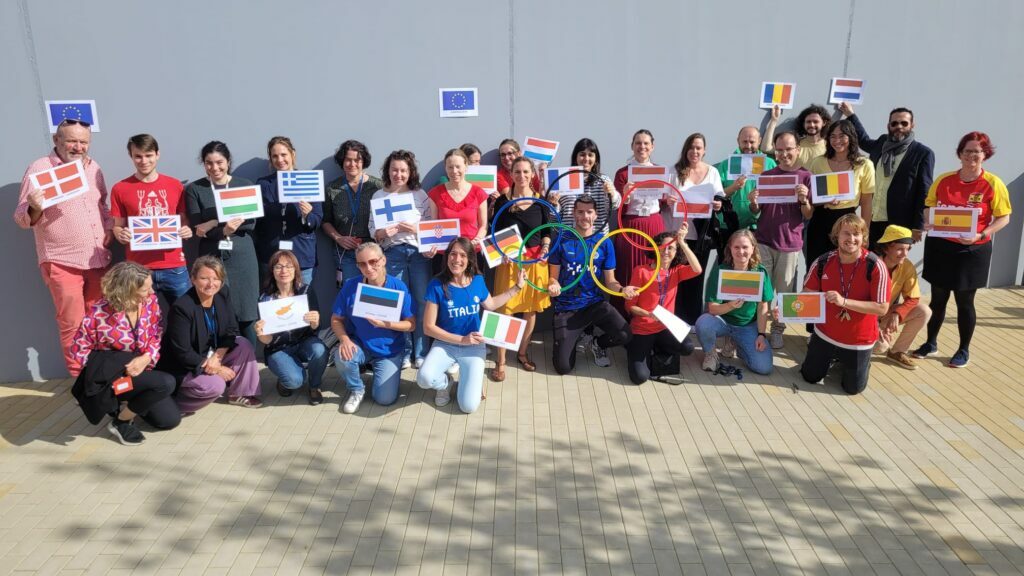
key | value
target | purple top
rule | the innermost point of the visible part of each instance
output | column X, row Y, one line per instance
column 781, row 225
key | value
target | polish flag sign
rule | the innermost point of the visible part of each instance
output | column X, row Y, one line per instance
column 60, row 183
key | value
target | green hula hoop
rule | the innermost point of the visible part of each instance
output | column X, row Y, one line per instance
column 583, row 241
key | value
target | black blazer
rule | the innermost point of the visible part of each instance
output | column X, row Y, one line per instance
column 186, row 341
column 910, row 182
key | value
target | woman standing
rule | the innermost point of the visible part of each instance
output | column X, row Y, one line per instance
column 643, row 214
column 960, row 265
column 525, row 216
column 231, row 241
column 460, row 200
column 587, row 156
column 347, row 206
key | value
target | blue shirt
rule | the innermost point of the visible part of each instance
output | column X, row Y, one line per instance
column 375, row 342
column 570, row 258
column 458, row 312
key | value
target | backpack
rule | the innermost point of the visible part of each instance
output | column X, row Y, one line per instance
column 819, row 264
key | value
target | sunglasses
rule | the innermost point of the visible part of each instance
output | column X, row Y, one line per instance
column 72, row 122
column 372, row 263
column 897, row 123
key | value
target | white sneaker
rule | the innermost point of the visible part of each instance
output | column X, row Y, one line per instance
column 710, row 361
column 600, row 354
column 443, row 397
column 776, row 341
column 406, row 363
column 418, row 363
column 453, row 372
column 583, row 344
column 728, row 348
column 353, row 402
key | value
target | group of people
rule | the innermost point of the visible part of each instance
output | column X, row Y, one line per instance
column 153, row 338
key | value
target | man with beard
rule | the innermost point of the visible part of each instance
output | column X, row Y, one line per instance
column 811, row 125
column 903, row 172
column 748, row 141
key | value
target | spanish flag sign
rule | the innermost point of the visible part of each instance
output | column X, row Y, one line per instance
column 953, row 221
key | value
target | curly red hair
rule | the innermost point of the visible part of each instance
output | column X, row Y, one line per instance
column 982, row 138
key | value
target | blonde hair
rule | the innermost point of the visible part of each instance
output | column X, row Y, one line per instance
column 121, row 285
column 755, row 257
column 851, row 220
column 211, row 262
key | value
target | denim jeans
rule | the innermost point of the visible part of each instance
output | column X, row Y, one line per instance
column 171, row 283
column 307, row 276
column 406, row 263
column 387, row 375
column 709, row 327
column 470, row 359
column 345, row 260
column 286, row 363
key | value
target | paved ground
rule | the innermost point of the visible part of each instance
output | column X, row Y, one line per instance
column 922, row 474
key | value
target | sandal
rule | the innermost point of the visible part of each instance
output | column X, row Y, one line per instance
column 245, row 401
column 497, row 374
column 528, row 365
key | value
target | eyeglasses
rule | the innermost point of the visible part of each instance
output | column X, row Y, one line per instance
column 898, row 123
column 790, row 149
column 506, row 154
column 967, row 151
column 73, row 122
column 371, row 263
column 280, row 267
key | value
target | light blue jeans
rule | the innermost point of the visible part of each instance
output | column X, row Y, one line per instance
column 387, row 374
column 286, row 363
column 171, row 283
column 709, row 327
column 406, row 263
column 470, row 359
column 307, row 276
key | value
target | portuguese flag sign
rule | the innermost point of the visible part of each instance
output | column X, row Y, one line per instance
column 807, row 307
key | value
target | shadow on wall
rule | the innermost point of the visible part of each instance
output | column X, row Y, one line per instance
column 1007, row 244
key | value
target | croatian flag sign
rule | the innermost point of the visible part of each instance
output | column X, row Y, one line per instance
column 300, row 186
column 777, row 189
column 457, row 102
column 436, row 234
column 378, row 303
column 846, row 90
column 540, row 150
column 245, row 202
column 777, row 94
column 392, row 209
column 565, row 181
column 501, row 330
column 154, row 232
column 60, row 183
column 58, row 111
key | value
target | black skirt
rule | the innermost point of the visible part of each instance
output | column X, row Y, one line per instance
column 954, row 266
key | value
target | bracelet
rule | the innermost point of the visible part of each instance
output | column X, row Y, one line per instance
column 763, row 335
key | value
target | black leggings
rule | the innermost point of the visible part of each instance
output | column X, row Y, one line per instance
column 569, row 326
column 639, row 350
column 966, row 317
column 150, row 398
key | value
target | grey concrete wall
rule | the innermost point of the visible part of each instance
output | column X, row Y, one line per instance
column 322, row 72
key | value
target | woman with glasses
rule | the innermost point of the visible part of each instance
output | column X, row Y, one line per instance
column 287, row 351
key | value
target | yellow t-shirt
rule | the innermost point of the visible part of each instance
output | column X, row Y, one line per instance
column 904, row 282
column 863, row 177
column 879, row 204
column 809, row 151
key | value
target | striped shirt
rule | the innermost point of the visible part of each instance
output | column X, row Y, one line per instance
column 604, row 204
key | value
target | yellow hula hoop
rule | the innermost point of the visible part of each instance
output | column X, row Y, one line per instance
column 594, row 253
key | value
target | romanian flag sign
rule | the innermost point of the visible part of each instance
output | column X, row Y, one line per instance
column 154, row 232
column 740, row 285
column 540, row 150
column 777, row 189
column 503, row 331
column 846, row 90
column 378, row 303
column 777, row 94
column 653, row 190
column 801, row 307
column 746, row 165
column 565, row 181
column 60, row 183
column 509, row 242
column 485, row 177
column 953, row 222
column 833, row 186
column 436, row 234
column 245, row 202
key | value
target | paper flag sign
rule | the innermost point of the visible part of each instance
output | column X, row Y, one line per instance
column 833, row 186
column 284, row 314
column 58, row 111
column 154, row 232
column 953, row 222
column 739, row 285
column 676, row 325
column 509, row 242
column 502, row 331
column 637, row 174
column 746, row 165
column 485, row 177
column 457, row 102
column 392, row 209
column 699, row 201
column 801, row 307
column 846, row 90
column 777, row 93
column 60, row 183
column 245, row 202
column 436, row 234
column 300, row 186
column 540, row 150
column 571, row 184
column 378, row 303
column 777, row 189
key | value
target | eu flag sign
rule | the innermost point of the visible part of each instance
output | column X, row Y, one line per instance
column 58, row 111
column 457, row 102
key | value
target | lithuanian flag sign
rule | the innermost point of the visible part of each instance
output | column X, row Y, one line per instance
column 833, row 186
column 501, row 330
column 740, row 285
column 804, row 307
column 954, row 221
column 508, row 245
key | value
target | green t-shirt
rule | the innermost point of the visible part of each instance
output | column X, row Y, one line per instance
column 748, row 312
column 739, row 198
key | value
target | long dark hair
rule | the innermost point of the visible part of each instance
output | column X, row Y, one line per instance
column 826, row 120
column 446, row 276
column 682, row 165
column 852, row 151
column 664, row 237
column 588, row 145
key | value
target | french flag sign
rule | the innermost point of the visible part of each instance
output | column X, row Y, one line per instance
column 540, row 150
column 849, row 90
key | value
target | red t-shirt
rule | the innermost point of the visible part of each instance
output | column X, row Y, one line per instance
column 860, row 332
column 465, row 211
column 662, row 291
column 161, row 197
column 987, row 193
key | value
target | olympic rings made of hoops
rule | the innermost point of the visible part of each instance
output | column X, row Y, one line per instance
column 494, row 224
column 583, row 241
column 645, row 236
column 598, row 225
column 630, row 188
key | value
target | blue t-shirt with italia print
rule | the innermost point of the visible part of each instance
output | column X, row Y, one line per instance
column 458, row 312
column 570, row 256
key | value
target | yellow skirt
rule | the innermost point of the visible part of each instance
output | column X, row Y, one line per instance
column 529, row 299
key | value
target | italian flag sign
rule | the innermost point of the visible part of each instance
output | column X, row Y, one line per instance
column 500, row 330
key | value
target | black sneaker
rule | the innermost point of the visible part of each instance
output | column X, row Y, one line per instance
column 126, row 432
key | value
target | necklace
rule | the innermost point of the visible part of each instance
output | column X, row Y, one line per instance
column 845, row 288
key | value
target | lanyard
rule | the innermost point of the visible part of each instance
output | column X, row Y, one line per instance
column 843, row 287
column 353, row 200
column 284, row 223
column 662, row 288
column 211, row 323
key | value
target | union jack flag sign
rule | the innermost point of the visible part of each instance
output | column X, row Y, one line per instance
column 154, row 232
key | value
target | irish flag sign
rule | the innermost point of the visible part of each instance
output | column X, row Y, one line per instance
column 802, row 307
column 746, row 165
column 740, row 285
column 501, row 330
column 245, row 203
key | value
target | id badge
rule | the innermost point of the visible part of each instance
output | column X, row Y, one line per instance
column 285, row 245
column 224, row 245
column 122, row 385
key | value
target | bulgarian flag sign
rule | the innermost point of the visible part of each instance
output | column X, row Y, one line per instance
column 746, row 165
column 245, row 203
column 509, row 242
column 485, row 177
column 953, row 222
column 833, row 186
column 802, row 307
column 503, row 331
column 740, row 285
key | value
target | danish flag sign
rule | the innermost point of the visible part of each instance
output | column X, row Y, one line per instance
column 60, row 183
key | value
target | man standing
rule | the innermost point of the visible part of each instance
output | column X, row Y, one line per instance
column 149, row 193
column 747, row 142
column 811, row 125
column 71, row 237
column 905, row 306
column 903, row 173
